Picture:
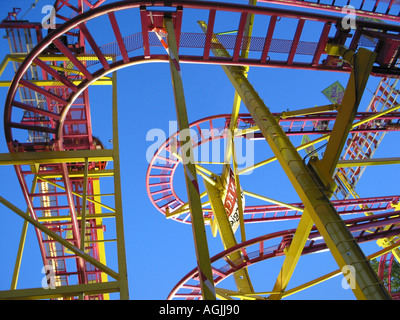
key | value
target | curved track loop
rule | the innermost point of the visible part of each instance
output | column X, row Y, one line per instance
column 272, row 245
column 163, row 165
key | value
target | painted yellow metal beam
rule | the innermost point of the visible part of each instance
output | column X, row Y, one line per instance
column 339, row 240
column 21, row 246
column 267, row 199
column 19, row 57
column 84, row 205
column 60, row 292
column 119, row 221
column 226, row 294
column 59, row 239
column 55, row 83
column 320, row 139
column 242, row 277
column 344, row 122
column 307, row 111
column 200, row 239
column 292, row 255
column 99, row 231
column 76, row 194
column 47, row 157
column 367, row 162
column 68, row 218
column 78, row 174
column 332, row 274
column 230, row 142
column 362, row 62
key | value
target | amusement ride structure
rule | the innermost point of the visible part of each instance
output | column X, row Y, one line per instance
column 60, row 165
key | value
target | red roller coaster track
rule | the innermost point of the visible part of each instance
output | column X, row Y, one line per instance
column 62, row 122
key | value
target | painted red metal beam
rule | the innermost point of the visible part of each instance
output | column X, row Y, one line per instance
column 389, row 14
column 109, row 9
column 119, row 38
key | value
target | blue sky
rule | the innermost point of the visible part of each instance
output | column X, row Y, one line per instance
column 160, row 251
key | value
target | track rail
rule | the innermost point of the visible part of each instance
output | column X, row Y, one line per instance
column 286, row 58
column 164, row 163
column 388, row 10
column 272, row 245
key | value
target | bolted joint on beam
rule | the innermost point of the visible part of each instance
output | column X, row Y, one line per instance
column 340, row 51
column 328, row 183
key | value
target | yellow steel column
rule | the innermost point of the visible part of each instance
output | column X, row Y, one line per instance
column 59, row 239
column 122, row 267
column 199, row 232
column 83, row 210
column 242, row 278
column 100, row 232
column 362, row 62
column 21, row 244
column 292, row 255
column 311, row 191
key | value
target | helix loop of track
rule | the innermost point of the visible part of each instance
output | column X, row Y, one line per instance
column 52, row 123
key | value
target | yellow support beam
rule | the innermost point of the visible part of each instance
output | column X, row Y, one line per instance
column 119, row 221
column 362, row 62
column 339, row 240
column 292, row 255
column 21, row 246
column 55, row 83
column 323, row 138
column 47, row 157
column 59, row 239
column 307, row 111
column 225, row 294
column 76, row 194
column 68, row 218
column 99, row 231
column 344, row 123
column 19, row 57
column 367, row 162
column 78, row 174
column 230, row 142
column 242, row 277
column 199, row 234
column 60, row 292
column 267, row 199
column 332, row 274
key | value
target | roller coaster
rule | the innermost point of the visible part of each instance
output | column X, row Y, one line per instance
column 71, row 182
